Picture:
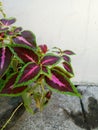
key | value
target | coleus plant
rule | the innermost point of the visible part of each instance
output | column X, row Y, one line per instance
column 30, row 70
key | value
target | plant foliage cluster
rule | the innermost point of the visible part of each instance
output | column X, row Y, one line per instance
column 30, row 70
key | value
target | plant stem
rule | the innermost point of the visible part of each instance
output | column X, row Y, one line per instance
column 42, row 96
column 43, row 89
column 8, row 121
column 1, row 10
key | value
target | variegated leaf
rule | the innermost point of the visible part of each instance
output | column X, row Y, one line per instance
column 14, row 32
column 3, row 29
column 2, row 36
column 68, row 52
column 26, row 38
column 7, row 22
column 60, row 83
column 50, row 59
column 66, row 58
column 5, row 60
column 25, row 54
column 9, row 89
column 48, row 94
column 46, row 71
column 43, row 48
column 18, row 29
column 63, row 71
column 68, row 67
column 28, row 74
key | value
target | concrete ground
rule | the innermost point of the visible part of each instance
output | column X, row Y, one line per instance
column 64, row 113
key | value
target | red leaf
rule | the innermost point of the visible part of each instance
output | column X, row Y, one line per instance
column 8, row 22
column 46, row 71
column 26, row 55
column 26, row 38
column 3, row 29
column 68, row 52
column 50, row 59
column 68, row 67
column 14, row 32
column 48, row 94
column 18, row 29
column 66, row 58
column 9, row 86
column 63, row 71
column 28, row 74
column 59, row 82
column 43, row 48
column 5, row 59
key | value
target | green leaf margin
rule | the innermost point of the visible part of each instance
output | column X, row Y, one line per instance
column 47, row 54
column 27, row 47
column 20, row 74
column 75, row 93
column 11, row 95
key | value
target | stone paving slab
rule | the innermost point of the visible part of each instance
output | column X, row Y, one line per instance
column 64, row 113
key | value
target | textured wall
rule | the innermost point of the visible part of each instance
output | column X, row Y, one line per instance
column 69, row 24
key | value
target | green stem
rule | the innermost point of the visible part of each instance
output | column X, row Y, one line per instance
column 43, row 89
column 42, row 96
column 1, row 10
column 8, row 121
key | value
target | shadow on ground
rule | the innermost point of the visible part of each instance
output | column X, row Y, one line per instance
column 90, row 119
